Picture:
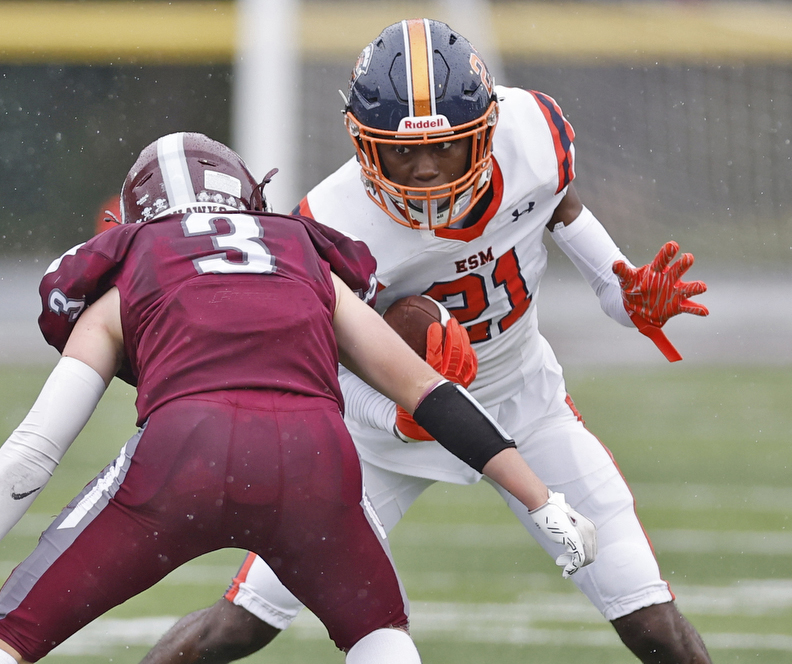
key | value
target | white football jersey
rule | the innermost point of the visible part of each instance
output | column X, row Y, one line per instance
column 488, row 274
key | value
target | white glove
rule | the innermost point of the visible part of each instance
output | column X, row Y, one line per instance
column 561, row 524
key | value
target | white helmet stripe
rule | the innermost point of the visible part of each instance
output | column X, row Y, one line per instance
column 430, row 67
column 173, row 166
column 407, row 64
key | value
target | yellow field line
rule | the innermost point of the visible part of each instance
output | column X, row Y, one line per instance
column 562, row 32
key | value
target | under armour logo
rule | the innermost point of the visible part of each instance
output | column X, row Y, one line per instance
column 516, row 214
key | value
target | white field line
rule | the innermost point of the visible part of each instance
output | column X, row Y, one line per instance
column 759, row 543
column 515, row 624
column 495, row 536
column 512, row 623
column 480, row 536
column 692, row 497
column 684, row 497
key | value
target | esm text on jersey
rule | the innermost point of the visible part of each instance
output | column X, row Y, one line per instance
column 474, row 261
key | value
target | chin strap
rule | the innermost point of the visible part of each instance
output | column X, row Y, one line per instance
column 259, row 190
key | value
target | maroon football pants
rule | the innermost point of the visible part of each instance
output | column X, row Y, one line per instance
column 277, row 474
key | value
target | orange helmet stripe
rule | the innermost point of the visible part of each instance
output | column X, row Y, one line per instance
column 420, row 74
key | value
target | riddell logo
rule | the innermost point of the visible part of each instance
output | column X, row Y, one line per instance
column 426, row 123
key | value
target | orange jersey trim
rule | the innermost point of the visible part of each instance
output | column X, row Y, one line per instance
column 241, row 577
column 303, row 209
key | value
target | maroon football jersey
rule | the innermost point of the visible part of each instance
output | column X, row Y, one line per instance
column 215, row 301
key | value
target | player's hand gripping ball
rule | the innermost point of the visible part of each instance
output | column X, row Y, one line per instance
column 437, row 337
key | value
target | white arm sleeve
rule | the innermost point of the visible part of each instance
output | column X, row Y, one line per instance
column 364, row 404
column 588, row 245
column 29, row 456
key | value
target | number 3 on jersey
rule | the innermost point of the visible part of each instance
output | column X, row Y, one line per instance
column 477, row 291
column 244, row 237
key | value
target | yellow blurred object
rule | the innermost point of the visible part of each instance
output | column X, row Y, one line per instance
column 116, row 32
column 559, row 32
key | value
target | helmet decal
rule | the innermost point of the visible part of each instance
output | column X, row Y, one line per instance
column 420, row 72
column 222, row 182
column 412, row 124
column 362, row 64
column 478, row 66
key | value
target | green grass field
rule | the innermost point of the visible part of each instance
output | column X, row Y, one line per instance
column 706, row 450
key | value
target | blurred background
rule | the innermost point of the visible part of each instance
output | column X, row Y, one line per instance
column 683, row 116
column 682, row 109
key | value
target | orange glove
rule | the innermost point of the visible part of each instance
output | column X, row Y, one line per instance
column 453, row 358
column 654, row 293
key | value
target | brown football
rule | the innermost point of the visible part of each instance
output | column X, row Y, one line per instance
column 411, row 317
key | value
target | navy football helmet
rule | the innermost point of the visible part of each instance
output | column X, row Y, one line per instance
column 188, row 171
column 419, row 81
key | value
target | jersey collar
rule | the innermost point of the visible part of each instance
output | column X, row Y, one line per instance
column 476, row 230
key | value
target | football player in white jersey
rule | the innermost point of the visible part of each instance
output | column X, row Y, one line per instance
column 460, row 181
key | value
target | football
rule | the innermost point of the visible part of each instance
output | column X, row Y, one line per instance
column 411, row 317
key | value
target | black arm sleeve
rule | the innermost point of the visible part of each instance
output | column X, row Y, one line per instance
column 460, row 424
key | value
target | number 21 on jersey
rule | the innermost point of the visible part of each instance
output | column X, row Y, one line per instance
column 476, row 292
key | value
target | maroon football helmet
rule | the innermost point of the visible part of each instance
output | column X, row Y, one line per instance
column 188, row 171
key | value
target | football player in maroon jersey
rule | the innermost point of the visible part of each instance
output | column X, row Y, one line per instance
column 231, row 322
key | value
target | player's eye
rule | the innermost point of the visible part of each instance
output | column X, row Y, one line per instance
column 401, row 149
column 445, row 145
